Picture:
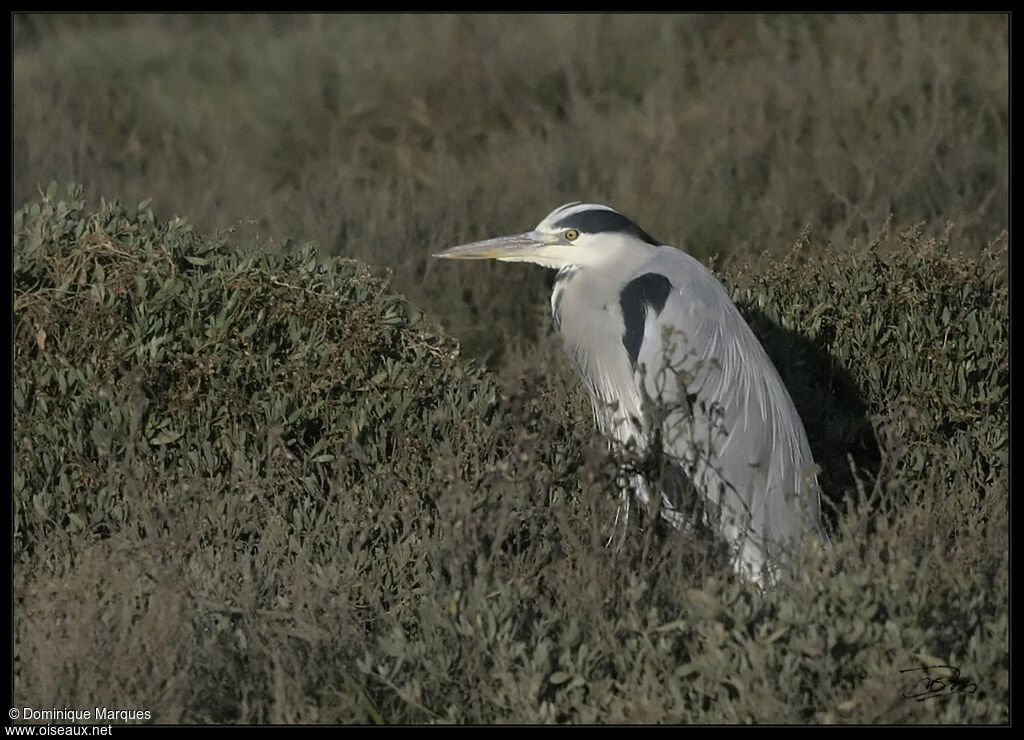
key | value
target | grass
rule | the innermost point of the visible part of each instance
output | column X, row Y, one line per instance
column 356, row 522
column 385, row 138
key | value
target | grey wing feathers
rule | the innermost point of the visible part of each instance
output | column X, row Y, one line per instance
column 737, row 434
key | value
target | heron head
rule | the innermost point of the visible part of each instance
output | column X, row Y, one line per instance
column 573, row 234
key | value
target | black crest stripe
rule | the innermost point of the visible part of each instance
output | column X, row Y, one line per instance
column 598, row 220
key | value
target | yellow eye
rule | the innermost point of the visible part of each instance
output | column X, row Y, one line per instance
column 571, row 235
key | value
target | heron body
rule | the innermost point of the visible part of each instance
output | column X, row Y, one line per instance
column 669, row 361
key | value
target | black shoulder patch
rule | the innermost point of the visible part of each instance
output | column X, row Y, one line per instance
column 649, row 291
column 598, row 220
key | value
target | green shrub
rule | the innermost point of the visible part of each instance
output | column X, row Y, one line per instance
column 914, row 338
column 257, row 488
column 189, row 359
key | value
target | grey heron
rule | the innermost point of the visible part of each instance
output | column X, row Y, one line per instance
column 669, row 360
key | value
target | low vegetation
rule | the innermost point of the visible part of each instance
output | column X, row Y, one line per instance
column 259, row 488
column 273, row 464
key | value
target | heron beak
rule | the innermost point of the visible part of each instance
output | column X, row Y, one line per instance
column 532, row 246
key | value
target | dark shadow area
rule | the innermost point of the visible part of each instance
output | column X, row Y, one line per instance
column 832, row 407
